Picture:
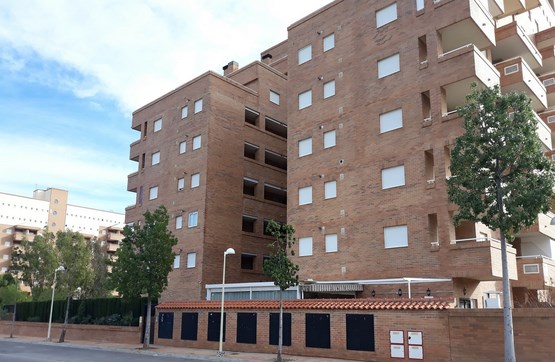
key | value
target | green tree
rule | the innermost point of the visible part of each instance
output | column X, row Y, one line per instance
column 100, row 287
column 144, row 260
column 34, row 262
column 500, row 176
column 280, row 268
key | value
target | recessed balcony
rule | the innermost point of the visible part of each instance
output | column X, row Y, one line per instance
column 473, row 24
column 517, row 75
column 513, row 42
column 496, row 8
column 480, row 259
column 460, row 68
column 548, row 59
column 514, row 6
column 548, row 81
column 112, row 248
column 535, row 272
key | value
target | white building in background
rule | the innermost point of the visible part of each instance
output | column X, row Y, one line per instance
column 24, row 217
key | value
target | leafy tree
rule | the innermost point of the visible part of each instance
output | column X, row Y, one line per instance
column 144, row 260
column 280, row 268
column 75, row 254
column 500, row 176
column 100, row 287
column 34, row 263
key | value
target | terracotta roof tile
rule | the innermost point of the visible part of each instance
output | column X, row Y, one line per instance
column 321, row 304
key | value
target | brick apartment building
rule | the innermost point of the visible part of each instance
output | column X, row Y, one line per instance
column 24, row 217
column 351, row 120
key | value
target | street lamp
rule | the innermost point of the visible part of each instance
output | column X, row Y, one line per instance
column 229, row 251
column 60, row 268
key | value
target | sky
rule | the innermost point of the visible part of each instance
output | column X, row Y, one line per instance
column 73, row 71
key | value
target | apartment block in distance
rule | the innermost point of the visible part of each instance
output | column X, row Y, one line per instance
column 369, row 91
column 22, row 218
column 213, row 153
column 373, row 89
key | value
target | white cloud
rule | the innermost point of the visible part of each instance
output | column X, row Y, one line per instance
column 77, row 169
column 135, row 51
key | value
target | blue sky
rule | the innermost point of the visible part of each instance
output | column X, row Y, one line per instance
column 72, row 72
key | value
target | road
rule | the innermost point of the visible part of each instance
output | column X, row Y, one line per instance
column 17, row 351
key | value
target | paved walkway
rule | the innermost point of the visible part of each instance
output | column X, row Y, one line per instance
column 157, row 350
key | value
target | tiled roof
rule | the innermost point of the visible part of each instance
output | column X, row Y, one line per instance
column 322, row 304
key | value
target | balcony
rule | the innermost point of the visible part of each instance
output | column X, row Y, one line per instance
column 514, row 6
column 542, row 231
column 460, row 68
column 544, row 133
column 480, row 259
column 473, row 24
column 548, row 59
column 535, row 272
column 19, row 236
column 517, row 75
column 111, row 247
column 134, row 151
column 513, row 42
column 548, row 81
column 114, row 237
column 133, row 182
column 545, row 38
column 496, row 8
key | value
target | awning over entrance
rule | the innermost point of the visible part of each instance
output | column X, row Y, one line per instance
column 327, row 288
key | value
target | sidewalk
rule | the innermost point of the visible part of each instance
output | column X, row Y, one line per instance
column 157, row 350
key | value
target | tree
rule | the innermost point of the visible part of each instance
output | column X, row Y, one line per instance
column 100, row 287
column 500, row 176
column 34, row 262
column 144, row 260
column 280, row 268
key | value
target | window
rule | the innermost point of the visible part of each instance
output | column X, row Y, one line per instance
column 329, row 89
column 305, row 195
column 386, row 15
column 391, row 120
column 179, row 222
column 329, row 42
column 329, row 139
column 330, row 190
column 5, row 257
column 155, row 158
column 193, row 219
column 184, row 112
column 531, row 268
column 274, row 97
column 305, row 99
column 247, row 261
column 158, row 125
column 197, row 142
column 248, row 223
column 176, row 261
column 191, row 260
column 249, row 186
column 180, row 183
column 195, row 180
column 419, row 5
column 305, row 54
column 198, row 106
column 305, row 147
column 389, row 65
column 182, row 147
column 510, row 69
column 153, row 193
column 395, row 236
column 331, row 243
column 393, row 177
column 305, row 246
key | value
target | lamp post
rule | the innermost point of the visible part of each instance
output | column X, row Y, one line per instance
column 229, row 251
column 60, row 268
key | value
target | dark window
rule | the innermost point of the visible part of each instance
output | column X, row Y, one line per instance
column 276, row 127
column 275, row 193
column 246, row 328
column 214, row 327
column 251, row 117
column 360, row 332
column 247, row 261
column 189, row 326
column 249, row 186
column 275, row 159
column 317, row 332
column 250, row 150
column 248, row 223
column 274, row 329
